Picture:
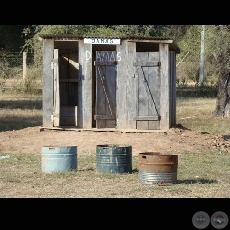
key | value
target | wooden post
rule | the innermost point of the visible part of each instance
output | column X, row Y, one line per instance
column 84, row 116
column 24, row 65
column 48, row 82
column 164, row 75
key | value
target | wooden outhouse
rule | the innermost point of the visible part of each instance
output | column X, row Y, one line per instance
column 109, row 83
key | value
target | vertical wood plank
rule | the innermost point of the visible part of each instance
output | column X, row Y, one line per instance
column 111, row 77
column 143, row 100
column 56, row 113
column 154, row 84
column 100, row 98
column 106, row 89
column 85, row 86
column 131, row 84
column 121, row 85
column 93, row 89
column 164, row 73
column 47, row 79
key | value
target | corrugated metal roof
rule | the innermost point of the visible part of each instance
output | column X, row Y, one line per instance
column 70, row 42
column 78, row 37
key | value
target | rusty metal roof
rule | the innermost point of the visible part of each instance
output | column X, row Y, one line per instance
column 69, row 42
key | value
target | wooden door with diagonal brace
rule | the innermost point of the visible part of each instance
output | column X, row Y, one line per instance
column 148, row 107
column 105, row 105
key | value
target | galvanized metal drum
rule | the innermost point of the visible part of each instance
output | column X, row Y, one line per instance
column 114, row 158
column 59, row 158
column 157, row 168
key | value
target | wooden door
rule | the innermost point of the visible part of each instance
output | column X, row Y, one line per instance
column 105, row 104
column 148, row 105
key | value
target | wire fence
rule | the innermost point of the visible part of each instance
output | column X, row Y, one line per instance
column 16, row 59
column 17, row 70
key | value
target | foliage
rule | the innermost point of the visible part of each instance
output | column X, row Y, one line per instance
column 31, row 33
column 11, row 38
column 6, row 72
column 30, row 85
column 207, row 89
column 188, row 38
column 218, row 52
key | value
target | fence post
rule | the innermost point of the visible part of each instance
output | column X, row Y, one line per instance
column 24, row 65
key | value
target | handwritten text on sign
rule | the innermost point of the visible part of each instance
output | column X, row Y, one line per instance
column 107, row 41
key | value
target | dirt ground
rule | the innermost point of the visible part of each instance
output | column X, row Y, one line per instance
column 175, row 141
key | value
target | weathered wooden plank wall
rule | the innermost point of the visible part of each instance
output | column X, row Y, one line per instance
column 85, row 86
column 134, row 109
column 131, row 84
column 126, row 86
column 106, row 89
column 121, row 85
column 143, row 100
column 148, row 90
column 56, row 103
column 47, row 87
column 154, row 84
column 164, row 75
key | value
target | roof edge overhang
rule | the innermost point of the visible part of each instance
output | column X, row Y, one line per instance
column 71, row 37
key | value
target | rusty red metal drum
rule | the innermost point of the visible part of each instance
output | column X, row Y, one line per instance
column 157, row 168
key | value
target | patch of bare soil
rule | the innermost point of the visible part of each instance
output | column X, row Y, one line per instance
column 176, row 140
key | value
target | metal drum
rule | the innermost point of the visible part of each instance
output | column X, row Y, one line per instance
column 114, row 158
column 59, row 159
column 157, row 168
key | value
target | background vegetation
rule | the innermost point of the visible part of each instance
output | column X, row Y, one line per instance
column 21, row 174
column 19, row 38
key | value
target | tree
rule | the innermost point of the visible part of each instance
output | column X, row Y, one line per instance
column 188, row 39
column 32, row 32
column 217, row 51
column 11, row 39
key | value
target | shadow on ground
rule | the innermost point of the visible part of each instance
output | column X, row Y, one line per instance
column 198, row 181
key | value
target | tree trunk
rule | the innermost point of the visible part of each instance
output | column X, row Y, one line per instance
column 223, row 95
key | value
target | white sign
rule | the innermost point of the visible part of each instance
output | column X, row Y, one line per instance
column 107, row 41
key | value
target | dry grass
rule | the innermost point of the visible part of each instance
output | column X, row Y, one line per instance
column 21, row 176
column 17, row 112
column 196, row 114
column 204, row 175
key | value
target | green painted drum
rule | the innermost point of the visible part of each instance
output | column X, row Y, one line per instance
column 114, row 158
column 59, row 159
